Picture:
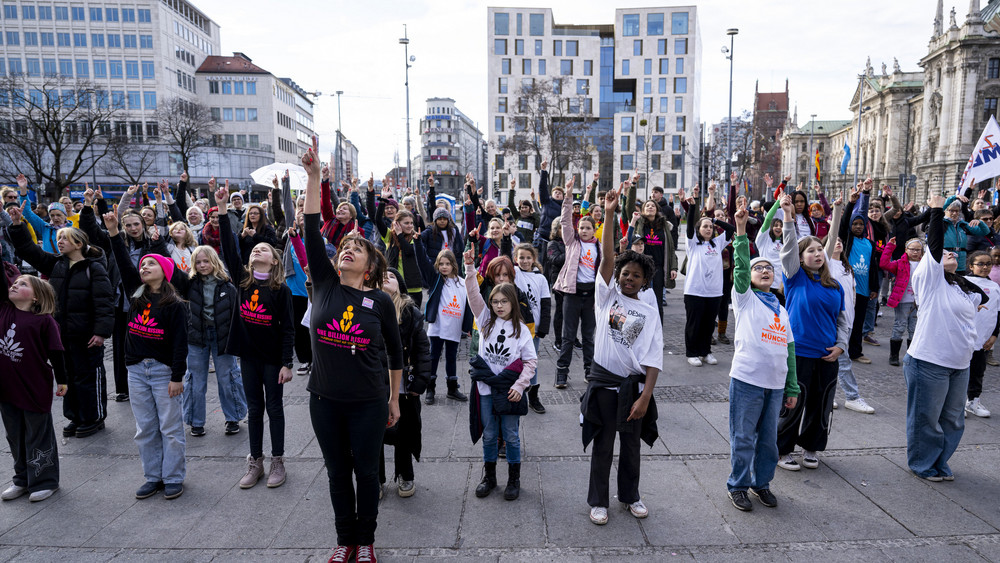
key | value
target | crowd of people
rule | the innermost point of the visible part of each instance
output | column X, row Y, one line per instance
column 368, row 293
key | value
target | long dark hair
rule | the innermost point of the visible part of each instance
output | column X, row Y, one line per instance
column 376, row 265
column 509, row 291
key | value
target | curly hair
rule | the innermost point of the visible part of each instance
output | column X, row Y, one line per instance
column 645, row 262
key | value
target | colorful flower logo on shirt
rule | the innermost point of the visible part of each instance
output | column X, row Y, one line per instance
column 775, row 333
column 10, row 347
column 345, row 325
column 653, row 240
column 143, row 325
column 253, row 304
column 345, row 333
column 143, row 318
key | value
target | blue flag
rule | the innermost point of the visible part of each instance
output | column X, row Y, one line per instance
column 847, row 158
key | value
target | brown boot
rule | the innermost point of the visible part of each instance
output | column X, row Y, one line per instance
column 276, row 476
column 255, row 469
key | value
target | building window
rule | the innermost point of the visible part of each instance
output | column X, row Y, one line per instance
column 556, row 87
column 65, row 67
column 49, row 67
column 626, row 67
column 654, row 162
column 227, row 114
column 79, row 39
column 663, row 85
column 96, row 14
column 30, row 39
column 626, row 143
column 679, row 23
column 527, row 84
column 78, row 14
column 118, row 99
column 566, row 67
column 502, row 86
column 679, row 66
column 111, row 14
column 501, row 24
column 647, row 86
column 525, row 66
column 48, row 39
column 498, row 124
column 677, row 161
column 82, row 69
column 647, row 66
column 582, row 87
column 664, row 66
column 63, row 39
column 654, row 24
column 518, row 47
column 538, row 47
column 989, row 108
column 238, row 88
column 557, row 47
column 145, row 16
column 541, row 67
column 13, row 38
column 254, row 141
column 114, row 41
column 134, row 100
column 97, row 39
column 664, row 105
column 647, row 105
column 630, row 25
column 661, row 124
column 216, row 114
column 680, row 85
column 657, row 142
column 628, row 161
column 45, row 12
column 661, row 46
column 241, row 114
column 251, row 88
column 676, row 141
column 148, row 70
column 499, row 46
column 536, row 24
column 128, row 15
column 572, row 48
column 627, row 124
column 152, row 129
column 130, row 41
column 145, row 41
column 679, row 105
column 993, row 68
column 680, row 46
column 9, row 12
column 62, row 13
column 588, row 68
column 227, row 87
column 131, row 69
column 502, row 105
column 149, row 100
column 100, row 69
column 251, row 114
column 637, row 48
column 681, row 123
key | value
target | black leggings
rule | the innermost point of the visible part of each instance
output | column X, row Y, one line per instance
column 350, row 435
column 657, row 286
column 557, row 317
column 727, row 294
column 808, row 424
column 854, row 347
column 977, row 369
column 260, row 381
column 118, row 351
column 450, row 360
column 402, row 437
column 701, row 312
column 86, row 400
column 303, row 343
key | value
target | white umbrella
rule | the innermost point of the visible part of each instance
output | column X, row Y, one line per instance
column 296, row 175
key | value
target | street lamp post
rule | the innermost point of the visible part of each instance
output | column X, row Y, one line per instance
column 405, row 42
column 857, row 132
column 339, row 176
column 812, row 129
column 731, row 32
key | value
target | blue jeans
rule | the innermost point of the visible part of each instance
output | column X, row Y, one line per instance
column 534, row 378
column 232, row 397
column 493, row 425
column 906, row 320
column 935, row 415
column 753, row 434
column 159, row 424
column 845, row 374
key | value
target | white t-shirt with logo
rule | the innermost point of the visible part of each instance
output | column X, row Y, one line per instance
column 648, row 296
column 587, row 271
column 946, row 326
column 704, row 270
column 451, row 309
column 986, row 319
column 535, row 287
column 629, row 337
column 846, row 280
column 908, row 292
column 771, row 250
column 499, row 348
column 762, row 338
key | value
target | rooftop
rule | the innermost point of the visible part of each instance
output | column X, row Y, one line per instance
column 238, row 63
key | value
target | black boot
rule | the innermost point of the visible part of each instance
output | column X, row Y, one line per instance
column 513, row 489
column 489, row 481
column 533, row 401
column 429, row 396
column 894, row 346
column 454, row 393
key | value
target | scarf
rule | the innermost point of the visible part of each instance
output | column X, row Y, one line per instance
column 769, row 300
column 333, row 231
column 210, row 236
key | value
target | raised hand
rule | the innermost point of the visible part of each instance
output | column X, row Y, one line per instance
column 88, row 196
column 545, row 164
column 469, row 256
column 787, row 207
column 570, row 183
column 741, row 217
column 22, row 184
column 892, row 241
column 111, row 222
column 325, row 173
column 430, row 179
column 310, row 161
column 768, row 180
column 611, row 201
column 221, row 198
column 131, row 190
column 513, row 182
column 635, row 217
column 164, row 186
column 935, row 201
column 16, row 212
column 733, row 178
column 275, row 182
column 184, row 176
column 211, row 184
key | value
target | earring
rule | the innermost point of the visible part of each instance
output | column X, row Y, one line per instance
column 366, row 276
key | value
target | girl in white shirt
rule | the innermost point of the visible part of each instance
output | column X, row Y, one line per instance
column 628, row 357
column 181, row 245
column 448, row 316
column 535, row 287
column 504, row 348
column 987, row 328
column 703, row 282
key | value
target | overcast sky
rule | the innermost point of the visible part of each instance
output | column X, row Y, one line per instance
column 354, row 46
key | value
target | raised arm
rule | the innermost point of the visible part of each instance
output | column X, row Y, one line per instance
column 129, row 275
column 741, row 252
column 838, row 211
column 543, row 184
column 692, row 211
column 607, row 266
column 935, row 228
column 475, row 299
column 230, row 255
column 320, row 268
column 790, row 262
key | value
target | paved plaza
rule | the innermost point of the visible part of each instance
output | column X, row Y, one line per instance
column 862, row 504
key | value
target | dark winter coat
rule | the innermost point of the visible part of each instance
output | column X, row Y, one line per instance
column 226, row 305
column 416, row 351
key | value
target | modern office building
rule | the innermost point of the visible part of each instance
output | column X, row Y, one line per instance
column 450, row 146
column 613, row 98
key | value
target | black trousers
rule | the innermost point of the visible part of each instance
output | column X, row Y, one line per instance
column 417, row 297
column 977, row 369
column 808, row 424
column 578, row 311
column 701, row 312
column 854, row 347
column 557, row 318
column 657, row 285
column 409, row 420
column 727, row 295
column 260, row 381
column 350, row 436
column 603, row 452
column 450, row 361
column 32, row 442
column 303, row 343
column 86, row 399
column 118, row 351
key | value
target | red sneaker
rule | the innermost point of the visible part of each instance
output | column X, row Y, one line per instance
column 366, row 554
column 342, row 554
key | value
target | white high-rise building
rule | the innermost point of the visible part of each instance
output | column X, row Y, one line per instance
column 621, row 96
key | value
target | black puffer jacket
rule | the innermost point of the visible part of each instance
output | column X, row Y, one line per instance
column 416, row 351
column 84, row 294
column 226, row 297
column 91, row 225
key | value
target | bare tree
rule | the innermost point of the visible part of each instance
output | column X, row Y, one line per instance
column 552, row 124
column 130, row 161
column 186, row 127
column 55, row 128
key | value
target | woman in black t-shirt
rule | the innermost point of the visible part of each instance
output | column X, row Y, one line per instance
column 353, row 325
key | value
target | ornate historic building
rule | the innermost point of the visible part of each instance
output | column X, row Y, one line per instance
column 770, row 113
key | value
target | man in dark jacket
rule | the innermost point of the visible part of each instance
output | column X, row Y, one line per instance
column 666, row 209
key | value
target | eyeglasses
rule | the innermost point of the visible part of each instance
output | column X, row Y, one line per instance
column 499, row 302
column 914, row 249
column 760, row 268
column 983, row 265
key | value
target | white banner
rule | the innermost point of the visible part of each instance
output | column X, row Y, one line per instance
column 984, row 163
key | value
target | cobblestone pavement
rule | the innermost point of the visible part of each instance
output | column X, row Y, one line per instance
column 861, row 504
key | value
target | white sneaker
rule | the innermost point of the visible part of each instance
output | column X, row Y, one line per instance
column 788, row 462
column 835, row 405
column 977, row 408
column 710, row 360
column 599, row 515
column 637, row 509
column 39, row 496
column 809, row 460
column 13, row 491
column 694, row 361
column 859, row 405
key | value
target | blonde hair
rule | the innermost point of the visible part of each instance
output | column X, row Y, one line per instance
column 45, row 296
column 446, row 256
column 218, row 269
column 555, row 231
column 189, row 239
column 77, row 236
column 276, row 274
column 350, row 209
column 399, row 300
column 496, row 220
